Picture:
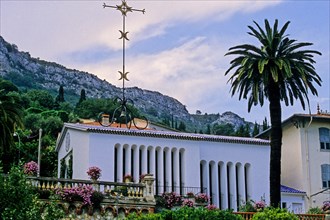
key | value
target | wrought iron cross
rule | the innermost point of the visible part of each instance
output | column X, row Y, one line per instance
column 124, row 9
column 123, row 109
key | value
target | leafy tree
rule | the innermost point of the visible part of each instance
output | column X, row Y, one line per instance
column 224, row 129
column 208, row 129
column 41, row 99
column 11, row 114
column 52, row 125
column 90, row 108
column 7, row 86
column 32, row 122
column 66, row 106
column 18, row 200
column 278, row 70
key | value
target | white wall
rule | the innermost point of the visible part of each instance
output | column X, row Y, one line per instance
column 97, row 149
column 294, row 202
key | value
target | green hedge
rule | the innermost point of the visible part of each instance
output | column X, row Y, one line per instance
column 187, row 213
column 274, row 214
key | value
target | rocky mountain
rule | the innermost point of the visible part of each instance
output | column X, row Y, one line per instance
column 27, row 72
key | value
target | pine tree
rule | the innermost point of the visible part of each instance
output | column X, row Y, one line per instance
column 182, row 126
column 255, row 129
column 265, row 125
column 60, row 96
column 82, row 97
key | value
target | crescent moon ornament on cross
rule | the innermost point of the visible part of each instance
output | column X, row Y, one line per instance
column 123, row 76
column 123, row 35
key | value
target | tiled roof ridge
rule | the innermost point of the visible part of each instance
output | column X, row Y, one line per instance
column 168, row 134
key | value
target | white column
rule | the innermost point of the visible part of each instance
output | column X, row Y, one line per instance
column 128, row 159
column 241, row 183
column 119, row 163
column 223, row 180
column 215, row 188
column 232, row 182
column 144, row 159
column 160, row 170
column 168, row 179
column 176, row 167
column 152, row 163
column 136, row 163
column 248, row 181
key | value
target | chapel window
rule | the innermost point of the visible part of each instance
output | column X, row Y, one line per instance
column 324, row 134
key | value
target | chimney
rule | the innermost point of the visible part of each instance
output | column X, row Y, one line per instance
column 105, row 119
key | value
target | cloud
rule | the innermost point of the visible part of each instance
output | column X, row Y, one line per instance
column 51, row 28
column 189, row 72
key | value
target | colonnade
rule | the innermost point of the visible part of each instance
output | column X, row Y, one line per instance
column 228, row 184
column 167, row 164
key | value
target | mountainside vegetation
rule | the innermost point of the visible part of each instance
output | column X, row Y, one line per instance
column 68, row 87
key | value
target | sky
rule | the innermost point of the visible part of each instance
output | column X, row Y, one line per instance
column 176, row 48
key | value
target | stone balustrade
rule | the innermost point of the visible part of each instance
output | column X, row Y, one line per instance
column 119, row 198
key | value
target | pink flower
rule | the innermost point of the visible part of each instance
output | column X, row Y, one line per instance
column 188, row 203
column 81, row 192
column 260, row 205
column 31, row 168
column 129, row 177
column 172, row 199
column 211, row 207
column 202, row 198
column 94, row 173
column 326, row 206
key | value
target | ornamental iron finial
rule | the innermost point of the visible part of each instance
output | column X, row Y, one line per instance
column 122, row 114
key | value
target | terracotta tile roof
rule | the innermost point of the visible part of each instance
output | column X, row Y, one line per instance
column 165, row 134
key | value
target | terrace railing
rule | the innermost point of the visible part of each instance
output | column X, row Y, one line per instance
column 46, row 183
column 179, row 190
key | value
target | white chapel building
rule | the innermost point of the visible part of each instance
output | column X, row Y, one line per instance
column 231, row 170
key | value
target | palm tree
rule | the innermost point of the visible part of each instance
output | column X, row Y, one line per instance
column 11, row 114
column 280, row 70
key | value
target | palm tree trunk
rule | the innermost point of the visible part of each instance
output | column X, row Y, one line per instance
column 275, row 144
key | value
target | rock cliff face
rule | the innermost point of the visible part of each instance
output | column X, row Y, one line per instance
column 32, row 73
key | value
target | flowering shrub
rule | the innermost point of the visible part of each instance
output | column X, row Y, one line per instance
column 190, row 195
column 326, row 206
column 201, row 198
column 211, row 207
column 188, row 203
column 78, row 193
column 142, row 177
column 259, row 205
column 171, row 199
column 128, row 177
column 248, row 206
column 94, row 173
column 31, row 168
